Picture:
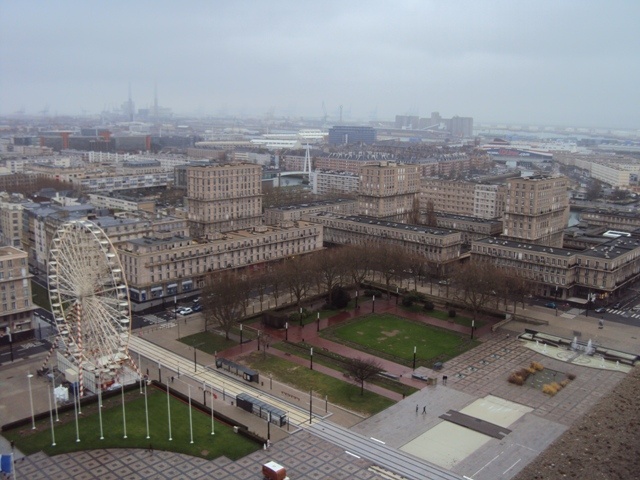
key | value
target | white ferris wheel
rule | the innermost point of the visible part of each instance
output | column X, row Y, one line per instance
column 89, row 299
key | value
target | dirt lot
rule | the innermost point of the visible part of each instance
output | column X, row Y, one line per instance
column 604, row 444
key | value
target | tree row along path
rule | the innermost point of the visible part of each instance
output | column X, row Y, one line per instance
column 309, row 334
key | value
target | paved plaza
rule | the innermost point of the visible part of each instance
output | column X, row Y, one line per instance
column 476, row 386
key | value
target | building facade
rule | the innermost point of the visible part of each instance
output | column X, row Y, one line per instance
column 389, row 190
column 157, row 269
column 442, row 247
column 291, row 213
column 345, row 135
column 604, row 271
column 223, row 198
column 537, row 209
column 325, row 182
column 16, row 306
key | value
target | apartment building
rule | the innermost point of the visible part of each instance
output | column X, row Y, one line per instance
column 290, row 213
column 11, row 219
column 389, row 190
column 447, row 196
column 113, row 201
column 605, row 270
column 471, row 228
column 537, row 209
column 159, row 268
column 16, row 306
column 616, row 219
column 488, row 201
column 222, row 198
column 463, row 198
column 438, row 245
column 325, row 182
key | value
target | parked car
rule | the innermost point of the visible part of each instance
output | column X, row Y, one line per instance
column 443, row 282
column 551, row 305
column 616, row 305
column 600, row 310
column 196, row 308
column 185, row 311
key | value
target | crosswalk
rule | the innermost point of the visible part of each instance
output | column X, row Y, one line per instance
column 623, row 312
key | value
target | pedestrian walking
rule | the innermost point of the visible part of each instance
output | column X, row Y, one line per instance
column 444, row 379
column 13, row 445
column 416, row 409
column 424, row 410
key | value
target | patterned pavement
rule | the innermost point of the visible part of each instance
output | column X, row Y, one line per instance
column 302, row 454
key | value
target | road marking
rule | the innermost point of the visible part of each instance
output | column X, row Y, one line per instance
column 511, row 466
column 376, row 440
column 486, row 464
column 352, row 454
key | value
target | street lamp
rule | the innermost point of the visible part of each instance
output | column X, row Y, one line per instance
column 240, row 334
column 269, row 428
column 414, row 357
column 373, row 304
column 286, row 331
column 318, row 322
column 473, row 326
column 397, row 294
column 300, row 316
column 33, row 418
column 356, row 299
column 311, row 358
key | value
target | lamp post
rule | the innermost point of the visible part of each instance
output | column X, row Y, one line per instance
column 473, row 327
column 33, row 418
column 300, row 316
column 373, row 304
column 356, row 299
column 269, row 427
column 311, row 358
column 270, row 382
column 310, row 406
column 286, row 331
column 414, row 357
column 195, row 350
column 240, row 334
column 397, row 294
column 318, row 322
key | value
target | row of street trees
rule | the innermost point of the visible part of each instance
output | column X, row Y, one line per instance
column 227, row 296
column 479, row 285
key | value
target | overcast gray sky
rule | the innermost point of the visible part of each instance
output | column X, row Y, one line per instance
column 540, row 62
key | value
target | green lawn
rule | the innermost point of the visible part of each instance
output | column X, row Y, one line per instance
column 208, row 342
column 391, row 336
column 339, row 392
column 336, row 362
column 205, row 445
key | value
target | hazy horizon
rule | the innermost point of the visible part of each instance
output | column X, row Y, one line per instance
column 544, row 63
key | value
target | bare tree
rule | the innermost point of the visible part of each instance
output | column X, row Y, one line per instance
column 222, row 301
column 330, row 269
column 474, row 284
column 358, row 262
column 388, row 260
column 276, row 281
column 297, row 277
column 261, row 282
column 361, row 370
column 264, row 340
